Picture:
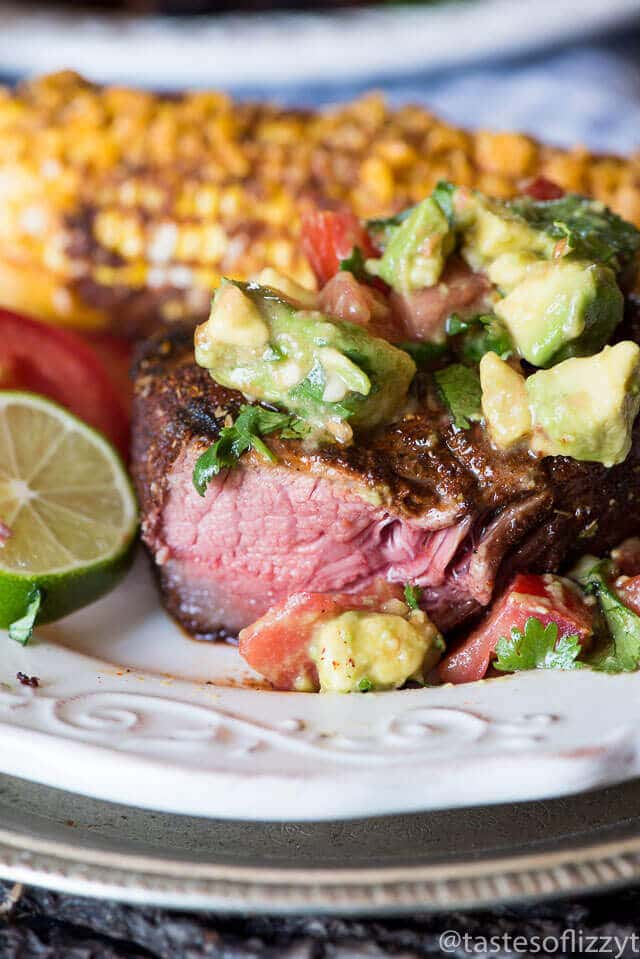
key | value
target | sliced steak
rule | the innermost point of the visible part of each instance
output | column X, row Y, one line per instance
column 419, row 501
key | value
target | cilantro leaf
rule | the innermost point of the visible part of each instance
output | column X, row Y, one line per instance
column 479, row 334
column 355, row 263
column 455, row 324
column 443, row 195
column 381, row 229
column 412, row 595
column 460, row 389
column 22, row 629
column 251, row 423
column 423, row 354
column 619, row 651
column 538, row 647
column 591, row 230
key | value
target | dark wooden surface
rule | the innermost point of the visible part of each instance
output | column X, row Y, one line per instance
column 38, row 924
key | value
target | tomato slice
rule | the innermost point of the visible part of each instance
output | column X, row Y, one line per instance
column 277, row 644
column 329, row 236
column 60, row 365
column 551, row 599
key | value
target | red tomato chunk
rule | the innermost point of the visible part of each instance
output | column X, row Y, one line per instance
column 551, row 599
column 329, row 237
column 277, row 644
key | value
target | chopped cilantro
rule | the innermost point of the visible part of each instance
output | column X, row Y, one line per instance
column 487, row 335
column 22, row 629
column 619, row 651
column 538, row 647
column 355, row 263
column 455, row 324
column 382, row 229
column 591, row 230
column 412, row 595
column 424, row 354
column 443, row 195
column 365, row 685
column 479, row 334
column 251, row 423
column 461, row 392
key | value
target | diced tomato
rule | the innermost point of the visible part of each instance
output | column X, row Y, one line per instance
column 551, row 599
column 328, row 237
column 61, row 365
column 277, row 644
column 344, row 297
column 540, row 188
column 629, row 592
column 423, row 314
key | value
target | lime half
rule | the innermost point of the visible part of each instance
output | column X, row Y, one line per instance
column 68, row 515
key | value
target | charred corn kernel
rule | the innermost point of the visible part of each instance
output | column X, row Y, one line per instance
column 214, row 242
column 377, row 177
column 495, row 185
column 570, row 170
column 207, row 200
column 189, row 243
column 442, row 139
column 626, row 202
column 397, row 153
column 509, row 154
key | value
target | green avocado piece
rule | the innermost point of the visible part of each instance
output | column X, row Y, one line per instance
column 416, row 249
column 561, row 308
column 491, row 228
column 324, row 371
column 584, row 407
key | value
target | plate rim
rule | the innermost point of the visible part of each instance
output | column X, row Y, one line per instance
column 314, row 31
column 392, row 890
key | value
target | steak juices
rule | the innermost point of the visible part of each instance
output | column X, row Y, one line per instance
column 355, row 479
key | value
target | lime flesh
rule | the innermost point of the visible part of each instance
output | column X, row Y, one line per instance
column 68, row 513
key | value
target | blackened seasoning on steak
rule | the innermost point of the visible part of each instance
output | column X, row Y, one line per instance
column 419, row 501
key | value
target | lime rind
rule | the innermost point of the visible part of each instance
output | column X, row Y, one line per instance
column 76, row 582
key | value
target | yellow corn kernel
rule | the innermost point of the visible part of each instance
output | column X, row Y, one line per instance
column 377, row 177
column 509, row 154
column 569, row 170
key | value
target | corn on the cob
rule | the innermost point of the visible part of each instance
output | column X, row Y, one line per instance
column 120, row 206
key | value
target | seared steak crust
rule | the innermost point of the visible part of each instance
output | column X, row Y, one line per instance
column 511, row 510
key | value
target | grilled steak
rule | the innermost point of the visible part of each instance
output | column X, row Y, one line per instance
column 417, row 501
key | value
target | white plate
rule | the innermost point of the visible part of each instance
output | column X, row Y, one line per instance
column 282, row 48
column 124, row 712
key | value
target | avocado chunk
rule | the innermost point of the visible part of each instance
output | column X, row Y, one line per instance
column 505, row 401
column 416, row 249
column 365, row 651
column 584, row 407
column 560, row 308
column 491, row 228
column 263, row 344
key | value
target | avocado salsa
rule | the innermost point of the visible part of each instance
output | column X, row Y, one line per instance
column 504, row 316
